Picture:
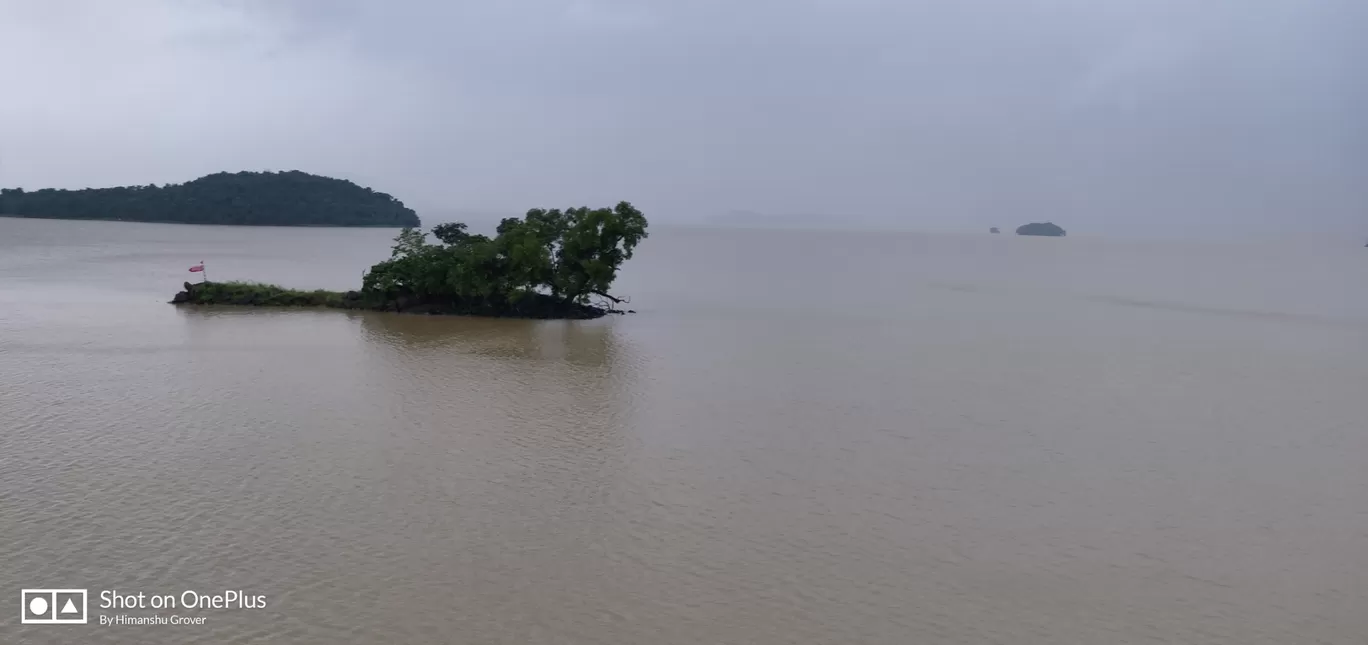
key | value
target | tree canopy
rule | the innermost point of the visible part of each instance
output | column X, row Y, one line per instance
column 567, row 256
column 290, row 198
column 1038, row 228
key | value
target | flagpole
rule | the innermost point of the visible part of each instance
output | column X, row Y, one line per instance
column 204, row 275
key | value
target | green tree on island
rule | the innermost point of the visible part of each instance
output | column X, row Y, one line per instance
column 567, row 255
column 547, row 264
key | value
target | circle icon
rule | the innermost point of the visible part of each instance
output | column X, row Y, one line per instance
column 38, row 605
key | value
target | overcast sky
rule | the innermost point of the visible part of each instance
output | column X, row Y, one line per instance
column 1105, row 115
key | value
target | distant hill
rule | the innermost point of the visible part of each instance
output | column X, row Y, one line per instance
column 290, row 198
column 1048, row 229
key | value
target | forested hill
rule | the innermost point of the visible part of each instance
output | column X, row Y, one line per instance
column 290, row 198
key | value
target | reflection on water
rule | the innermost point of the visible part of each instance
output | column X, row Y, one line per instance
column 586, row 343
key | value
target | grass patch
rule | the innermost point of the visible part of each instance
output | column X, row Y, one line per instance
column 262, row 295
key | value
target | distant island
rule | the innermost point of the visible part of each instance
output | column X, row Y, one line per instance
column 1041, row 228
column 290, row 198
column 547, row 264
column 994, row 230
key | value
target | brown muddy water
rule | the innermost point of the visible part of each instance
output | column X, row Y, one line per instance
column 802, row 437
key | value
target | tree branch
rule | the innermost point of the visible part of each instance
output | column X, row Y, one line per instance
column 616, row 301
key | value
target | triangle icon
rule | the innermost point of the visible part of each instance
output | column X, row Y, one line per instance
column 69, row 608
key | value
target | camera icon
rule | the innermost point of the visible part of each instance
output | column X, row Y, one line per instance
column 54, row 607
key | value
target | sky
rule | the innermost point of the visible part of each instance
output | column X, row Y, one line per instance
column 1107, row 116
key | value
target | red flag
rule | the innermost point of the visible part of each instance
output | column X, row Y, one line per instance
column 197, row 268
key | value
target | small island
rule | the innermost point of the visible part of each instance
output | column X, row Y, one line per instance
column 994, row 230
column 547, row 264
column 291, row 198
column 1047, row 229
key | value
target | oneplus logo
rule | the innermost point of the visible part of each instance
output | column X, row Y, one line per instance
column 54, row 607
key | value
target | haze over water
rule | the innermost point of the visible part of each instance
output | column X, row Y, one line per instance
column 801, row 437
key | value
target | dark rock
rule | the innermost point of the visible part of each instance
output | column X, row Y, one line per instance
column 188, row 295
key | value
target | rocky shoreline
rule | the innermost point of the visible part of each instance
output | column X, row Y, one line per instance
column 532, row 305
